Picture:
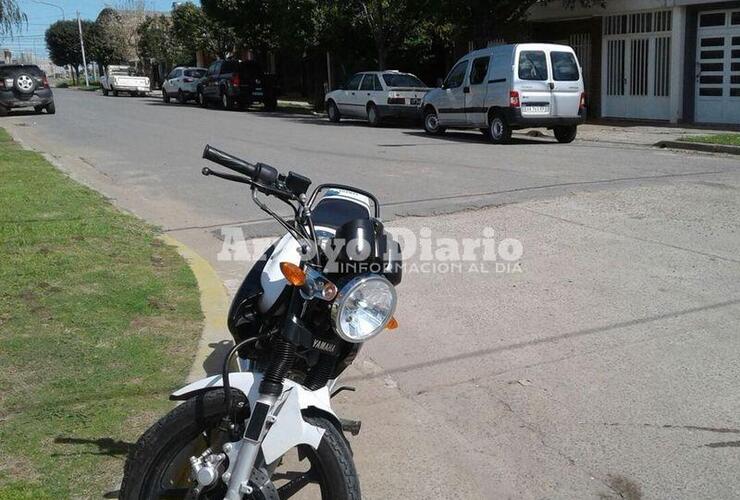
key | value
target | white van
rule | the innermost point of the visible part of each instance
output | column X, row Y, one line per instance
column 499, row 89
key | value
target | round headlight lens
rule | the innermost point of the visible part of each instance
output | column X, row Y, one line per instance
column 363, row 308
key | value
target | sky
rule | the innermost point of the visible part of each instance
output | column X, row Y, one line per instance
column 41, row 15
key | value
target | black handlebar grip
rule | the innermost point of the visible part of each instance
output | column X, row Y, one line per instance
column 229, row 161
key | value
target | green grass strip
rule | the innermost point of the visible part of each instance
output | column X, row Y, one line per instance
column 727, row 139
column 98, row 322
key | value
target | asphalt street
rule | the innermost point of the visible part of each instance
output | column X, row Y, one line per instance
column 604, row 366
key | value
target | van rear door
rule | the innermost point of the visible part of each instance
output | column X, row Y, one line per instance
column 532, row 82
column 567, row 84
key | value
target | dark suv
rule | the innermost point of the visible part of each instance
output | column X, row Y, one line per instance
column 238, row 84
column 25, row 86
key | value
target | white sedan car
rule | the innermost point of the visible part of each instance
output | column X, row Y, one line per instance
column 182, row 83
column 375, row 95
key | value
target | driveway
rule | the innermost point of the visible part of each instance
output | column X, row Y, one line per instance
column 604, row 367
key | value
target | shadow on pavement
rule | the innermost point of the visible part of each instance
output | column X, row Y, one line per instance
column 106, row 446
column 472, row 137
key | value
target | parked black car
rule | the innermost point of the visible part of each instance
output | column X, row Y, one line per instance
column 25, row 86
column 238, row 84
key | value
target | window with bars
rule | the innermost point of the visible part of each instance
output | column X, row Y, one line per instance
column 639, row 22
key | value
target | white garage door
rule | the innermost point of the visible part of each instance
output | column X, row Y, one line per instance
column 636, row 65
column 718, row 65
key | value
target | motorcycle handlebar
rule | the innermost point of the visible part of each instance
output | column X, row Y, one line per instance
column 261, row 173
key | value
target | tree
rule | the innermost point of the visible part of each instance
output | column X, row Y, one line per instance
column 195, row 31
column 11, row 17
column 108, row 41
column 63, row 42
column 156, row 42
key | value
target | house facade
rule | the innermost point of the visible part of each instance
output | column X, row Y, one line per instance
column 667, row 60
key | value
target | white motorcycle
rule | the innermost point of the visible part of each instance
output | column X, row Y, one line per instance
column 267, row 431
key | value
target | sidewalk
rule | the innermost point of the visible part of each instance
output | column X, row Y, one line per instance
column 633, row 134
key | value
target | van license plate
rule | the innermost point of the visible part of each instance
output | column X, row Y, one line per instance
column 539, row 110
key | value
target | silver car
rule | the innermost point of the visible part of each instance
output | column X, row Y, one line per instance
column 182, row 84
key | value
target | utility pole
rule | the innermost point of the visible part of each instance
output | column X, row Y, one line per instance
column 82, row 46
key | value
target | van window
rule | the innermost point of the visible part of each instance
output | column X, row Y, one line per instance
column 532, row 65
column 479, row 71
column 456, row 76
column 564, row 67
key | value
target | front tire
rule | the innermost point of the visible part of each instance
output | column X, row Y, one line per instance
column 159, row 463
column 165, row 96
column 333, row 112
column 431, row 123
column 565, row 133
column 105, row 92
column 202, row 99
column 51, row 108
column 181, row 97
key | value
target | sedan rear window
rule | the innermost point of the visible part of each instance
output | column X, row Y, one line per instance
column 195, row 73
column 532, row 65
column 402, row 80
column 564, row 67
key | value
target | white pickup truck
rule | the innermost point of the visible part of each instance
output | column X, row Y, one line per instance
column 123, row 79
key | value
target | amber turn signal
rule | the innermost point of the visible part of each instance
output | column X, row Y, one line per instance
column 293, row 273
column 392, row 324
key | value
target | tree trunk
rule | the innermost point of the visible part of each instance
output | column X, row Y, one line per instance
column 382, row 52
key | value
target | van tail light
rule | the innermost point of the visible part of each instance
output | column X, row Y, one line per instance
column 514, row 99
column 45, row 82
column 235, row 80
column 582, row 105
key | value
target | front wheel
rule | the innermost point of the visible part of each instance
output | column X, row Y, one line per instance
column 431, row 123
column 51, row 108
column 159, row 466
column 565, row 133
column 105, row 92
column 202, row 99
column 165, row 96
column 181, row 97
column 333, row 112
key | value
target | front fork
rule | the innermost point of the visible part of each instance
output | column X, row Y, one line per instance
column 251, row 443
column 264, row 411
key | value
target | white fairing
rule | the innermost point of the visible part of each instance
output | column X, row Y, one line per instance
column 287, row 249
column 289, row 429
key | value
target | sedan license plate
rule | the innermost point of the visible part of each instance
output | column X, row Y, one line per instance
column 539, row 110
column 415, row 101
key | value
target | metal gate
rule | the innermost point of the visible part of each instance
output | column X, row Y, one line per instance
column 718, row 67
column 581, row 43
column 636, row 65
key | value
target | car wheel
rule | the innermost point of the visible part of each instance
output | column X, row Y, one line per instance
column 333, row 112
column 202, row 100
column 373, row 116
column 51, row 108
column 565, row 133
column 431, row 123
column 115, row 93
column 38, row 109
column 105, row 92
column 4, row 111
column 499, row 131
column 165, row 96
column 181, row 97
column 227, row 102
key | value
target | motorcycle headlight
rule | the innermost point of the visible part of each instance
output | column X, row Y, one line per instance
column 363, row 308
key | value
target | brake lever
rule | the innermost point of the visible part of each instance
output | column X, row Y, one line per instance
column 229, row 177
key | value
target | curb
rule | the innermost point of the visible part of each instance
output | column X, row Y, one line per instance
column 214, row 303
column 699, row 146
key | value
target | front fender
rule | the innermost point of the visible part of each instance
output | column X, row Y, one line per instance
column 289, row 429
